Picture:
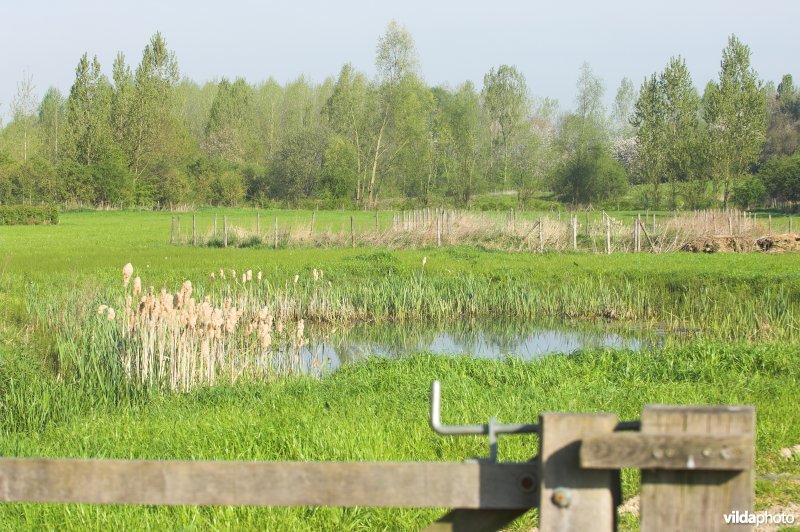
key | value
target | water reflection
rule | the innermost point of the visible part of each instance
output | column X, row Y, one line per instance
column 333, row 346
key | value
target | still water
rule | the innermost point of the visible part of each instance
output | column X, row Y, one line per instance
column 332, row 346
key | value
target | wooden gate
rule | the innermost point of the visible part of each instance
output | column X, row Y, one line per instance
column 697, row 466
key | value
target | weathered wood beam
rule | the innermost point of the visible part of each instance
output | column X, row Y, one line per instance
column 504, row 486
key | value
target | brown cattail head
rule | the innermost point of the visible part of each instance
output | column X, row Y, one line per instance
column 137, row 286
column 127, row 271
column 316, row 275
column 221, row 273
column 111, row 314
column 296, row 278
column 249, row 275
column 259, row 276
column 101, row 309
column 213, row 277
column 424, row 261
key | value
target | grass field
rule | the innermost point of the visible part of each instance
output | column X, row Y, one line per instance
column 741, row 312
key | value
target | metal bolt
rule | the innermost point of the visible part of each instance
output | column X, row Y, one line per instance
column 707, row 452
column 562, row 497
column 669, row 453
column 725, row 454
column 526, row 483
column 658, row 453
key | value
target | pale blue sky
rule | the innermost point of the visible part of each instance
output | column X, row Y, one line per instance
column 456, row 40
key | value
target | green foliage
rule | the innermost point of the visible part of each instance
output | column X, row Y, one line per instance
column 748, row 193
column 27, row 215
column 781, row 178
column 735, row 109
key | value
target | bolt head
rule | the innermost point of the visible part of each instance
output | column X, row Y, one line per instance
column 562, row 497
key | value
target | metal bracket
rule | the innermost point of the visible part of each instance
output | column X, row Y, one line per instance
column 492, row 428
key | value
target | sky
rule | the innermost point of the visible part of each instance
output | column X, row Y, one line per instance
column 456, row 40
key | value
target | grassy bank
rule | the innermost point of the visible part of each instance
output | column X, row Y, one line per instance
column 377, row 410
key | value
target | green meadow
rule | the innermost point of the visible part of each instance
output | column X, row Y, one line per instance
column 62, row 394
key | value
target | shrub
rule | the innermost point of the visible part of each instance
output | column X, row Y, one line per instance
column 28, row 215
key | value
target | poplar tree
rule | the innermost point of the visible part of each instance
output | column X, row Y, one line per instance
column 735, row 109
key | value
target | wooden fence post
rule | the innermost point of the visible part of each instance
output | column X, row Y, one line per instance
column 438, row 232
column 313, row 219
column 541, row 236
column 194, row 231
column 608, row 235
column 699, row 499
column 572, row 498
column 575, row 233
column 179, row 229
column 215, row 226
column 377, row 227
column 352, row 233
column 275, row 241
column 225, row 231
column 258, row 224
column 172, row 232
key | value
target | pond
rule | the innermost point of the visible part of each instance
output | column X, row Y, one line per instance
column 498, row 338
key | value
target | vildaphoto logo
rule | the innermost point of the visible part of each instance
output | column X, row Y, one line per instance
column 758, row 518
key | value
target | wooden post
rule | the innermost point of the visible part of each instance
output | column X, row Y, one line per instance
column 790, row 224
column 573, row 498
column 438, row 232
column 275, row 242
column 588, row 225
column 225, row 231
column 769, row 225
column 172, row 232
column 258, row 223
column 695, row 499
column 313, row 219
column 541, row 236
column 179, row 229
column 215, row 226
column 654, row 225
column 377, row 228
column 194, row 231
column 352, row 233
column 575, row 233
column 608, row 235
column 730, row 226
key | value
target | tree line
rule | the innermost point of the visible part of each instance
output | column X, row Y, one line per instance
column 148, row 137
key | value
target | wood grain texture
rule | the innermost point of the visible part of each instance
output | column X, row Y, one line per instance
column 592, row 502
column 695, row 500
column 668, row 451
column 389, row 484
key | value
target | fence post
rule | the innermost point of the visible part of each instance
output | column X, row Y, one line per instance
column 225, row 231
column 695, row 499
column 608, row 235
column 438, row 232
column 352, row 233
column 258, row 224
column 769, row 225
column 179, row 229
column 313, row 219
column 275, row 241
column 572, row 498
column 194, row 231
column 541, row 236
column 377, row 227
column 172, row 232
column 575, row 233
column 790, row 224
column 215, row 226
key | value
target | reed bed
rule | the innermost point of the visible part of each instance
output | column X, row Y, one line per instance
column 597, row 232
column 178, row 341
column 240, row 325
